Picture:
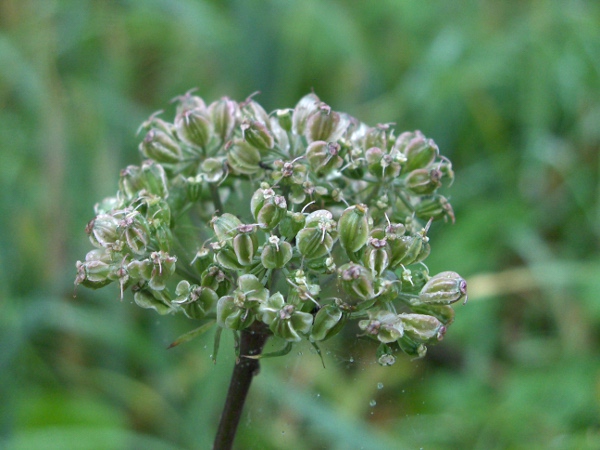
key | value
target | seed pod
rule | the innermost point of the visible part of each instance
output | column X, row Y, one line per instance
column 223, row 114
column 195, row 300
column 226, row 226
column 323, row 157
column 353, row 228
column 130, row 182
column 154, row 179
column 135, row 232
column 193, row 188
column 413, row 279
column 412, row 347
column 150, row 299
column 269, row 310
column 320, row 218
column 227, row 258
column 419, row 151
column 245, row 244
column 230, row 315
column 103, row 230
column 443, row 289
column 212, row 277
column 291, row 324
column 445, row 167
column 392, row 231
column 329, row 321
column 252, row 289
column 291, row 224
column 377, row 256
column 423, row 181
column 272, row 213
column 385, row 325
column 258, row 199
column 206, row 299
column 161, row 147
column 281, row 136
column 201, row 260
column 158, row 211
column 276, row 254
column 257, row 134
column 314, row 243
column 252, row 110
column 188, row 101
column 140, row 269
column 444, row 313
column 164, row 268
column 284, row 319
column 315, row 240
column 212, row 170
column 377, row 136
column 387, row 287
column 356, row 281
column 243, row 158
column 237, row 311
column 93, row 274
column 373, row 157
column 355, row 169
column 304, row 108
column 408, row 250
column 423, row 328
column 284, row 118
column 325, row 125
column 267, row 208
column 193, row 127
column 385, row 356
column 434, row 207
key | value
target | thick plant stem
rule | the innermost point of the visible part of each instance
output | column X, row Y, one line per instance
column 252, row 342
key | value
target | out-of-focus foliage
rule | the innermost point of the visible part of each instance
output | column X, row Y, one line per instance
column 509, row 90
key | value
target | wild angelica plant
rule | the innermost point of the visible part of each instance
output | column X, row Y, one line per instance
column 290, row 224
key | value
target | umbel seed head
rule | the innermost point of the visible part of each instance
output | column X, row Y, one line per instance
column 296, row 223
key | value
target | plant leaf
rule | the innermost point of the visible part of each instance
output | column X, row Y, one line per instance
column 192, row 334
column 284, row 351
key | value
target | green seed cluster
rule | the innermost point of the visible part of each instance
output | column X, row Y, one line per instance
column 302, row 219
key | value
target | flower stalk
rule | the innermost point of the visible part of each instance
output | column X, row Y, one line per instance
column 287, row 225
column 252, row 342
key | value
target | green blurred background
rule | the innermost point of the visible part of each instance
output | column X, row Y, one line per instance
column 510, row 91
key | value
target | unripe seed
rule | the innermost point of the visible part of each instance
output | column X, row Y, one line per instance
column 284, row 118
column 226, row 226
column 325, row 125
column 353, row 228
column 194, row 127
column 161, row 147
column 257, row 134
column 245, row 245
column 423, row 181
column 408, row 250
column 329, row 320
column 377, row 256
column 435, row 207
column 443, row 289
column 243, row 158
column 276, row 254
column 154, row 179
column 304, row 108
column 423, row 328
column 356, row 281
column 419, row 151
column 223, row 115
column 323, row 157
